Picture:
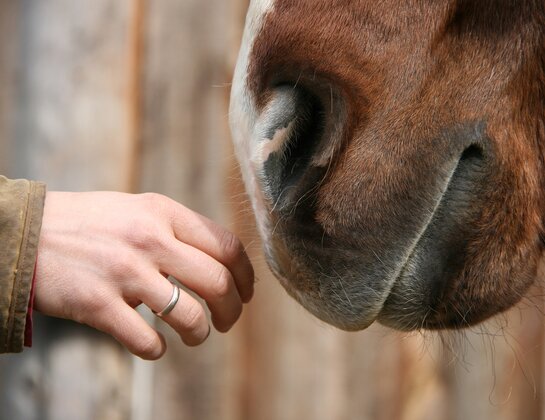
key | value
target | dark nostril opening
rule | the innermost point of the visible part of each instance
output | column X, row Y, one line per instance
column 304, row 138
column 285, row 168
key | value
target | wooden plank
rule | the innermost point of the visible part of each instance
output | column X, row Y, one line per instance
column 70, row 373
column 74, row 128
column 10, row 14
column 184, row 132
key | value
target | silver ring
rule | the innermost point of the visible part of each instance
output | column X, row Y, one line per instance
column 170, row 306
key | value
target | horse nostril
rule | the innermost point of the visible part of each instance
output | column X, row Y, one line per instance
column 293, row 130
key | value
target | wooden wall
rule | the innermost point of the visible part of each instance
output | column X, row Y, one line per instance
column 132, row 95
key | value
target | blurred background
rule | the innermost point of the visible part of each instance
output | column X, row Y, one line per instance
column 132, row 95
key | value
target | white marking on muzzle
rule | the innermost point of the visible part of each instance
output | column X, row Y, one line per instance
column 243, row 114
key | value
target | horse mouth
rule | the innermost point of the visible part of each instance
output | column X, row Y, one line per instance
column 412, row 297
column 418, row 294
column 397, row 270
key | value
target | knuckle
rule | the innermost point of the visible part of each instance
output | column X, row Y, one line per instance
column 223, row 282
column 157, row 204
column 148, row 346
column 194, row 317
column 196, row 340
column 153, row 200
column 145, row 234
column 146, row 230
column 232, row 247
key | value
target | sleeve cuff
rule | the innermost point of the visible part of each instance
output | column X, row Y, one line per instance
column 24, row 272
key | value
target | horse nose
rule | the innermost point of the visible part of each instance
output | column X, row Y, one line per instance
column 299, row 131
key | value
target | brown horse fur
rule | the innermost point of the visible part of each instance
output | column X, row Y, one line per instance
column 419, row 198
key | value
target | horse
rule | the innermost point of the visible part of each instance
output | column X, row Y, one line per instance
column 394, row 155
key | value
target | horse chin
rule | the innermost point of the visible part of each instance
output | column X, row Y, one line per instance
column 313, row 291
column 353, row 300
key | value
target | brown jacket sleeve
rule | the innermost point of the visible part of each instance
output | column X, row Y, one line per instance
column 21, row 210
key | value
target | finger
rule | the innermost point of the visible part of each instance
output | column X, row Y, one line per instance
column 210, row 238
column 130, row 329
column 188, row 317
column 211, row 280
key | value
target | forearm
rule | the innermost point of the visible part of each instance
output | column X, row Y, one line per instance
column 21, row 211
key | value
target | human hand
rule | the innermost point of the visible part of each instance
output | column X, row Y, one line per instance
column 101, row 254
